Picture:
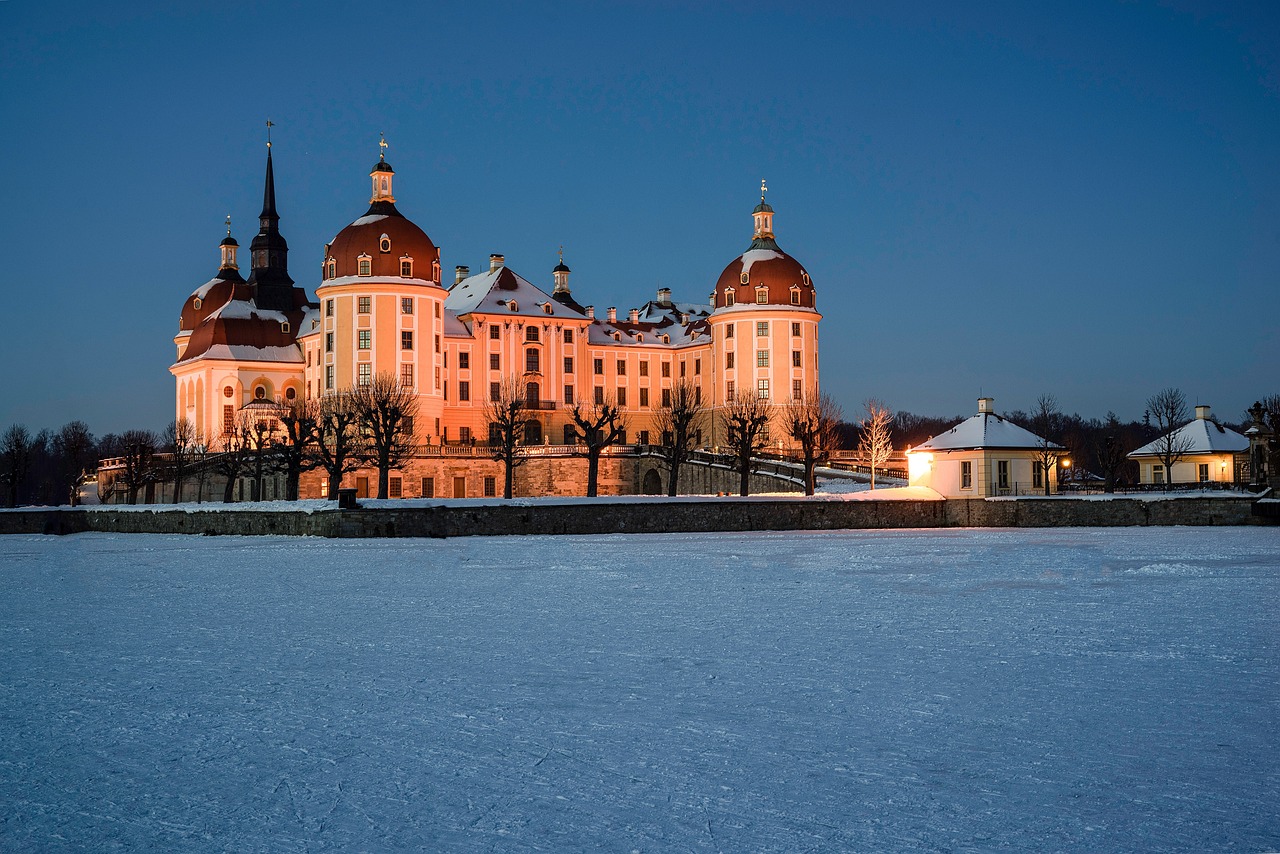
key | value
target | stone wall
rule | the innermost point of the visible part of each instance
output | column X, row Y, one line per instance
column 715, row 514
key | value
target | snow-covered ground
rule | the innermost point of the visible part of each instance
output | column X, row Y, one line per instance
column 958, row 690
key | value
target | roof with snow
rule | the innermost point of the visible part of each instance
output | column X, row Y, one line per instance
column 1200, row 436
column 986, row 430
column 501, row 291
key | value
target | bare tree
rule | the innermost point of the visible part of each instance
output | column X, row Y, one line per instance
column 810, row 421
column 1168, row 409
column 384, row 411
column 262, row 428
column 875, row 443
column 299, row 419
column 180, row 440
column 745, row 418
column 504, row 414
column 596, row 426
column 200, row 464
column 675, row 420
column 1046, row 423
column 234, row 450
column 338, row 445
column 15, row 460
column 74, row 448
column 138, row 451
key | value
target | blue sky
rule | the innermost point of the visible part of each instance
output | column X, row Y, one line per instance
column 1005, row 199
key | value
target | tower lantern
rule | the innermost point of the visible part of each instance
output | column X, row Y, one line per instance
column 381, row 175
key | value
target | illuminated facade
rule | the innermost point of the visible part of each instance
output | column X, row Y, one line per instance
column 381, row 307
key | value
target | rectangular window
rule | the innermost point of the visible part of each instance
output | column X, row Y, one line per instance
column 1037, row 475
column 437, row 305
column 622, row 367
column 729, row 390
column 464, row 390
column 568, row 336
column 464, row 361
column 406, row 268
column 328, row 377
column 795, row 297
column 495, row 332
column 364, row 373
column 495, row 362
column 394, row 487
column 666, row 370
column 1203, row 472
column 597, row 367
column 1002, row 474
column 490, row 487
column 406, row 339
column 966, row 474
column 622, row 396
column 728, row 360
column 762, row 297
column 644, row 367
column 328, row 308
column 728, row 330
column 644, row 400
column 406, row 376
column 408, row 426
column 228, row 418
column 568, row 364
column 406, row 305
column 1157, row 474
column 795, row 358
column 797, row 390
column 683, row 368
column 364, row 266
column 364, row 305
column 762, row 328
column 364, row 339
column 599, row 394
column 495, row 391
column 437, row 378
column 795, row 330
column 568, row 395
column 644, row 437
column 697, row 367
column 762, row 358
column 531, row 361
column 428, row 487
column 697, row 395
column 762, row 389
column 328, row 342
column 437, row 343
column 570, row 435
column 464, row 435
column 666, row 397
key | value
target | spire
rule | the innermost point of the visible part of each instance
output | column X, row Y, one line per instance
column 273, row 289
column 561, row 275
column 762, row 216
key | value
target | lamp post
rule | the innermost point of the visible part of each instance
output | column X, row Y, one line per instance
column 1066, row 472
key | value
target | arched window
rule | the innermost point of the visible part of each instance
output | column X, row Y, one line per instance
column 728, row 296
column 260, row 393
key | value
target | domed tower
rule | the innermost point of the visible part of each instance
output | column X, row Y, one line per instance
column 764, row 322
column 381, row 305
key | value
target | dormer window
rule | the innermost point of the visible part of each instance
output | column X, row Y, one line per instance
column 284, row 327
column 332, row 269
column 746, row 277
column 728, row 296
column 804, row 277
column 639, row 337
column 666, row 339
column 762, row 296
column 547, row 309
column 384, row 242
column 617, row 336
column 196, row 303
column 795, row 295
column 513, row 305
column 365, row 266
column 406, row 266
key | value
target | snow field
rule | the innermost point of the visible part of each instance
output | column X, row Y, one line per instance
column 949, row 690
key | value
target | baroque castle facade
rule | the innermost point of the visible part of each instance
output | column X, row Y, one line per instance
column 382, row 307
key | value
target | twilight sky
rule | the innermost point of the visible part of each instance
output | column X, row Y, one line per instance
column 1002, row 198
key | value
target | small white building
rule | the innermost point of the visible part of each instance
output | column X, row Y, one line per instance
column 1205, row 449
column 983, row 456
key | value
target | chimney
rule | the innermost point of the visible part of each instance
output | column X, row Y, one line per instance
column 613, row 314
column 460, row 272
column 664, row 297
column 634, row 315
column 591, row 312
column 986, row 405
column 1202, row 413
column 495, row 262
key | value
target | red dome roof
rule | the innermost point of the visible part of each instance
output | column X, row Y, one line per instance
column 404, row 240
column 778, row 272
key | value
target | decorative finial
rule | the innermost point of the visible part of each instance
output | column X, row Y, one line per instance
column 382, row 143
column 561, row 253
column 270, row 125
column 763, row 189
column 228, row 225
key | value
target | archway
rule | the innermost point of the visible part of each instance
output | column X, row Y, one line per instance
column 652, row 484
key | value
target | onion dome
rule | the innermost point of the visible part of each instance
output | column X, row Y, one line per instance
column 382, row 243
column 764, row 274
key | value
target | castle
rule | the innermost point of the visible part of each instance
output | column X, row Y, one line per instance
column 382, row 307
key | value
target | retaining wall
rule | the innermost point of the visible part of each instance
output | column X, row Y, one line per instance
column 719, row 514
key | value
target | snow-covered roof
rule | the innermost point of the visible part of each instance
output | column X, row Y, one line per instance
column 453, row 327
column 356, row 280
column 248, row 353
column 751, row 256
column 502, row 291
column 1200, row 436
column 237, row 309
column 202, row 292
column 985, row 430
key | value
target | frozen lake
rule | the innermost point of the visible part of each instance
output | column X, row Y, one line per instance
column 1048, row 690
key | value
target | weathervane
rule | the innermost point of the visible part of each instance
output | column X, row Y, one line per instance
column 228, row 225
column 561, row 253
column 270, row 125
column 763, row 189
column 382, row 143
